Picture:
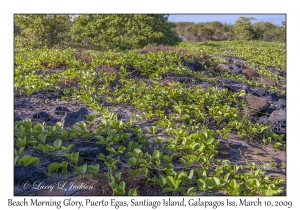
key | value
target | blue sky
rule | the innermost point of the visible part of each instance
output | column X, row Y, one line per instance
column 230, row 19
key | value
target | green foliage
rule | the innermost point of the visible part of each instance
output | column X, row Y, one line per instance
column 269, row 32
column 44, row 30
column 73, row 156
column 186, row 120
column 27, row 160
column 54, row 167
column 132, row 192
column 121, row 32
column 94, row 169
column 243, row 29
column 118, row 186
column 81, row 170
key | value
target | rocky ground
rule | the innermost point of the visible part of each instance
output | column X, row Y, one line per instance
column 265, row 107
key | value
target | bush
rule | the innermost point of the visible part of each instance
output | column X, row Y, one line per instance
column 123, row 32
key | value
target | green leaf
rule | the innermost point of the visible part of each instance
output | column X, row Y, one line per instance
column 80, row 170
column 146, row 172
column 191, row 191
column 27, row 160
column 73, row 156
column 226, row 164
column 121, row 149
column 235, row 168
column 191, row 174
column 114, row 185
column 64, row 167
column 110, row 149
column 28, row 124
column 137, row 151
column 181, row 174
column 22, row 132
column 48, row 148
column 268, row 191
column 15, row 160
column 162, row 180
column 156, row 155
column 226, row 177
column 21, row 150
column 94, row 169
column 42, row 138
column 68, row 147
column 201, row 148
column 210, row 141
column 233, row 185
column 168, row 189
column 171, row 181
column 144, row 142
column 195, row 146
column 118, row 176
column 122, row 187
column 132, row 161
column 129, row 146
column 183, row 161
column 58, row 144
column 202, row 174
column 178, row 109
column 216, row 180
column 201, row 183
column 203, row 135
column 177, row 182
column 39, row 147
column 211, row 184
column 21, row 142
column 15, row 152
column 132, row 192
column 54, row 167
column 182, row 190
column 153, row 130
column 112, row 178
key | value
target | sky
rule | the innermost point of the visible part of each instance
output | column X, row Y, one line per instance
column 230, row 19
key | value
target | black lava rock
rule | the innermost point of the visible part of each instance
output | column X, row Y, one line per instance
column 72, row 117
column 27, row 173
column 44, row 116
column 259, row 92
column 232, row 85
column 195, row 66
column 17, row 118
column 61, row 110
column 92, row 151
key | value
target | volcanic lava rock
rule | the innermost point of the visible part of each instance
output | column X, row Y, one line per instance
column 256, row 104
column 194, row 65
column 72, row 118
column 278, row 121
column 92, row 151
column 233, row 85
column 27, row 173
column 17, row 118
column 259, row 92
column 274, row 70
column 43, row 116
column 61, row 110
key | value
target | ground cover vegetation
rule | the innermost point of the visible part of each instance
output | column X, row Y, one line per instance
column 137, row 117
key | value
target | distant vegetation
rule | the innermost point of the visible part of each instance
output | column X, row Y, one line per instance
column 242, row 29
column 125, row 32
